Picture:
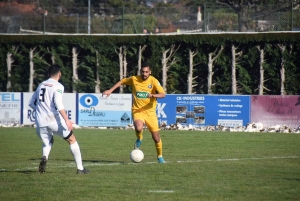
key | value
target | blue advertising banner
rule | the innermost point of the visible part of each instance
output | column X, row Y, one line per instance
column 203, row 110
column 112, row 111
column 10, row 108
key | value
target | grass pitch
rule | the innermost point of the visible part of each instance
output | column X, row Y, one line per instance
column 199, row 166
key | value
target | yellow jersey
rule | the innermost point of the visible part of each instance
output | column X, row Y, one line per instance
column 140, row 90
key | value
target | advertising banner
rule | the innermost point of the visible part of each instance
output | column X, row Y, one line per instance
column 276, row 110
column 69, row 102
column 202, row 110
column 112, row 111
column 10, row 108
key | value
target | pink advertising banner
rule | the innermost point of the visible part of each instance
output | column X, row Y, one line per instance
column 276, row 110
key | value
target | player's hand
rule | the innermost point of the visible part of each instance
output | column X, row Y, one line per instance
column 106, row 93
column 151, row 95
column 70, row 125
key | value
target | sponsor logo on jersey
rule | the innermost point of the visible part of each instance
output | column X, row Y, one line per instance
column 59, row 91
column 150, row 86
column 142, row 94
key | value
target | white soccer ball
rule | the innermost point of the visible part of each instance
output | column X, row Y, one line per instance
column 136, row 155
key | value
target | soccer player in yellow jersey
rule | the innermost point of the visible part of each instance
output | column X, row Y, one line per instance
column 145, row 89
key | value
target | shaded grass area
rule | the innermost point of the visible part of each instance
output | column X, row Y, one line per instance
column 199, row 166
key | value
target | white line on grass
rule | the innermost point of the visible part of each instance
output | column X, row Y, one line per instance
column 55, row 165
column 160, row 191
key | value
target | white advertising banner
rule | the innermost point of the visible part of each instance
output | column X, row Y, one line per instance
column 10, row 108
column 112, row 111
column 69, row 101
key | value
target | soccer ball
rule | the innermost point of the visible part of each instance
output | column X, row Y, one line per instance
column 136, row 155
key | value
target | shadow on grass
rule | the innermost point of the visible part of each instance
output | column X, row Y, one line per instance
column 20, row 171
column 291, row 179
column 84, row 161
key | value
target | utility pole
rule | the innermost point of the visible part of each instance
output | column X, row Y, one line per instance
column 89, row 18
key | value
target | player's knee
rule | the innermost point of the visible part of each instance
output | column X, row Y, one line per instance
column 138, row 129
column 71, row 139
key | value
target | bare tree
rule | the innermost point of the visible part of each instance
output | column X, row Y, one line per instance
column 167, row 61
column 31, row 67
column 75, row 67
column 282, row 70
column 98, row 82
column 141, row 50
column 235, row 60
column 122, row 51
column 191, row 69
column 9, row 62
column 211, row 59
column 261, row 86
column 249, row 10
column 52, row 55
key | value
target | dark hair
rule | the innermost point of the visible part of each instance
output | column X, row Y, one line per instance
column 144, row 64
column 53, row 70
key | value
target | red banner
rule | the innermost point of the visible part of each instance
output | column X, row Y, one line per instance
column 276, row 110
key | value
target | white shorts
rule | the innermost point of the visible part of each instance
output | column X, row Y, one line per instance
column 46, row 133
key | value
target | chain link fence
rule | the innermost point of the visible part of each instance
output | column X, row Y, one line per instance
column 122, row 20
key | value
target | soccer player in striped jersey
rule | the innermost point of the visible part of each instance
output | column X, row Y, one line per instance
column 51, row 118
column 145, row 89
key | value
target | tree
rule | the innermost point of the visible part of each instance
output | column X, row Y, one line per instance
column 190, row 80
column 249, row 10
column 235, row 60
column 212, row 56
column 75, row 67
column 167, row 61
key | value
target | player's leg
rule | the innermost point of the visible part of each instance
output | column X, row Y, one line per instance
column 47, row 141
column 152, row 124
column 139, row 126
column 68, row 135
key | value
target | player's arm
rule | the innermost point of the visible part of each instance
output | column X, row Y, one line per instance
column 124, row 81
column 158, row 95
column 33, row 100
column 160, row 91
column 108, row 92
column 60, row 107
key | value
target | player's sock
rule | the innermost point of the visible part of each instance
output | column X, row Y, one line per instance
column 159, row 148
column 139, row 135
column 46, row 150
column 75, row 150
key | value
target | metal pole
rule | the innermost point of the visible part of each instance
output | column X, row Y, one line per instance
column 89, row 18
column 123, row 20
column 44, row 26
column 292, row 16
column 77, row 23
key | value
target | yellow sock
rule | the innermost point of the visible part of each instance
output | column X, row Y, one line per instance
column 159, row 148
column 139, row 135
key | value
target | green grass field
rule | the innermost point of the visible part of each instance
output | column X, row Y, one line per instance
column 199, row 166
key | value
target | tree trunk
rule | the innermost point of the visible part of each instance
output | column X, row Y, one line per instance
column 242, row 18
column 97, row 85
column 75, row 67
column 211, row 59
column 9, row 61
column 282, row 70
column 233, row 71
column 167, row 61
column 122, row 52
column 235, row 60
column 191, row 69
column 164, row 71
column 261, row 70
column 141, row 50
column 124, row 62
column 31, row 71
